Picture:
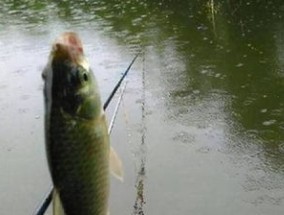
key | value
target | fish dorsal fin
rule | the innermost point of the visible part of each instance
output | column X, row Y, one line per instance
column 57, row 205
column 116, row 167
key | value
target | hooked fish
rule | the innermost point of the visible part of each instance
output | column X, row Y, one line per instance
column 76, row 135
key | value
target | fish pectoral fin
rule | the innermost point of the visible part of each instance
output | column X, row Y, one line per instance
column 115, row 163
column 57, row 205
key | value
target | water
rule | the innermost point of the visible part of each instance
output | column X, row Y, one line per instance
column 201, row 127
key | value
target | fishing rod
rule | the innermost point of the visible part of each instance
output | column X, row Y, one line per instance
column 119, row 82
column 47, row 200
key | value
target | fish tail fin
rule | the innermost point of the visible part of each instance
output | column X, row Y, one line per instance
column 57, row 205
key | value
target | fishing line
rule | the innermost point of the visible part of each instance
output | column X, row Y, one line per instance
column 111, row 124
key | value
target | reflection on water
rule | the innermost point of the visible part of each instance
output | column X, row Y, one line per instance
column 140, row 200
column 140, row 197
column 213, row 82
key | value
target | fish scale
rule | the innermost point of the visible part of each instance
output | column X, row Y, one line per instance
column 79, row 156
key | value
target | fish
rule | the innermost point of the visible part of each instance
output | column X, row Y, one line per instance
column 77, row 142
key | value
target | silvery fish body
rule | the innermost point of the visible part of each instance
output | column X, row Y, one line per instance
column 77, row 140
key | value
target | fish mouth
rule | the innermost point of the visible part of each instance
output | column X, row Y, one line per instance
column 68, row 47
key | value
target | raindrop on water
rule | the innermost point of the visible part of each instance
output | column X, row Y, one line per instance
column 217, row 75
column 240, row 65
column 281, row 147
column 204, row 71
column 269, row 122
column 263, row 110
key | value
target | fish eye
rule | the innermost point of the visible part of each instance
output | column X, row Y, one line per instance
column 85, row 77
column 82, row 74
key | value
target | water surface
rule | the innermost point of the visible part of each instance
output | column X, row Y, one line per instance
column 201, row 126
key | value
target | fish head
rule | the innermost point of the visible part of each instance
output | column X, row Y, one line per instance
column 69, row 81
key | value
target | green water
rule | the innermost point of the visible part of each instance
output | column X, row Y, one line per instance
column 201, row 126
